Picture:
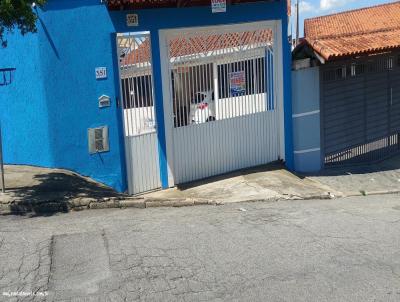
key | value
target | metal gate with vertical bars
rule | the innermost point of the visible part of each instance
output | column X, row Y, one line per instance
column 136, row 82
column 361, row 109
column 225, row 114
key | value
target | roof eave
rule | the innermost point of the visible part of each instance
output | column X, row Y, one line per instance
column 319, row 51
column 362, row 53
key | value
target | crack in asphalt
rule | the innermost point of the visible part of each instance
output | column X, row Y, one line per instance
column 217, row 254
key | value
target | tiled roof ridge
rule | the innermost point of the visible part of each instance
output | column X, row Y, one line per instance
column 353, row 10
column 363, row 30
column 359, row 33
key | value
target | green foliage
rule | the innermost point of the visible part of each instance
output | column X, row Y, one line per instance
column 18, row 14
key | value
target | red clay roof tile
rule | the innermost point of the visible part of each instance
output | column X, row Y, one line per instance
column 201, row 44
column 356, row 32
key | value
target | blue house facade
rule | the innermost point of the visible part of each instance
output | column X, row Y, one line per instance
column 51, row 115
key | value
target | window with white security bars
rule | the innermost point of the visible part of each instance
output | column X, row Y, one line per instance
column 221, row 75
column 136, row 83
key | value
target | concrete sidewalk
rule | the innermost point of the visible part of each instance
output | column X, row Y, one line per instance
column 377, row 178
column 44, row 191
column 41, row 190
column 269, row 182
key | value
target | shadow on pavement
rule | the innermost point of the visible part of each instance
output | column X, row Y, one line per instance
column 48, row 193
column 379, row 177
column 391, row 163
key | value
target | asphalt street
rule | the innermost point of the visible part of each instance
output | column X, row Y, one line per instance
column 317, row 250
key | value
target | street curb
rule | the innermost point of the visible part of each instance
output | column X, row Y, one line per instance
column 325, row 187
column 366, row 193
column 123, row 202
column 340, row 194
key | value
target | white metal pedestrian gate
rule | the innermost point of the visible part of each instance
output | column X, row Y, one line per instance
column 141, row 147
column 223, row 99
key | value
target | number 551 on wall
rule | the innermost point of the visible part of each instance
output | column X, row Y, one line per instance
column 101, row 73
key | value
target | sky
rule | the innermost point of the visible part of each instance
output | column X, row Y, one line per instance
column 314, row 8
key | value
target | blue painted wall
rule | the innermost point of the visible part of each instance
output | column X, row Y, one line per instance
column 306, row 120
column 53, row 100
column 23, row 108
column 54, row 97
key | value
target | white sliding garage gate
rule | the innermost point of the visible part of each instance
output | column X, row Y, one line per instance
column 222, row 98
column 141, row 144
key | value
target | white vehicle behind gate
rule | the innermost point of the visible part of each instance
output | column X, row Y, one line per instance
column 202, row 107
